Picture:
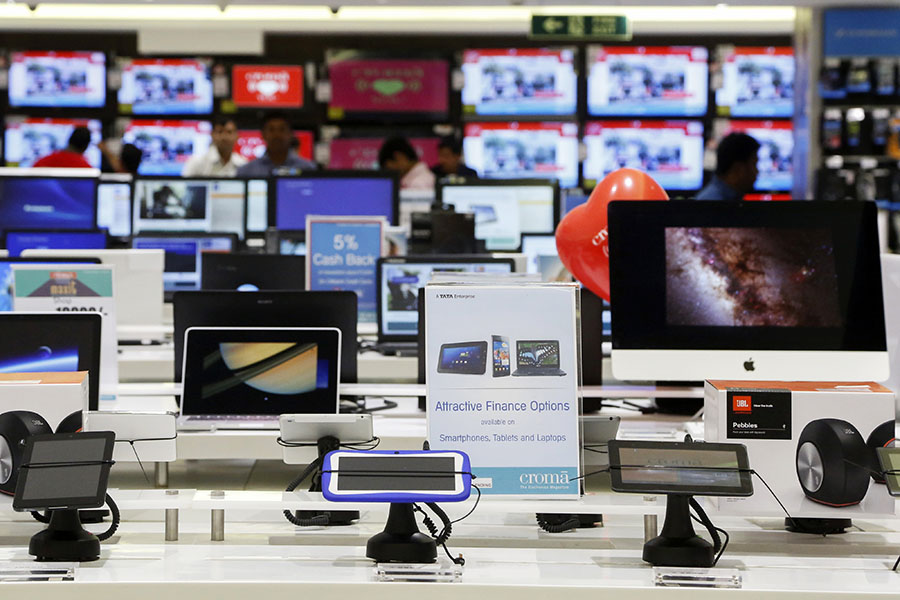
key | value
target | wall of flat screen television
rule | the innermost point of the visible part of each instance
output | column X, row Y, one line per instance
column 571, row 112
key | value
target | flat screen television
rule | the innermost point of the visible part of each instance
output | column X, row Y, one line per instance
column 167, row 145
column 776, row 152
column 251, row 146
column 516, row 150
column 647, row 81
column 333, row 193
column 756, row 82
column 267, row 86
column 514, row 82
column 669, row 151
column 27, row 139
column 362, row 152
column 165, row 86
column 58, row 79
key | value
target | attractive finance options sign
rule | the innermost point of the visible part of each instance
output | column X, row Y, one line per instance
column 267, row 85
column 387, row 85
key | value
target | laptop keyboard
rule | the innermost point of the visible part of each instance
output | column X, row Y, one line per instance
column 233, row 418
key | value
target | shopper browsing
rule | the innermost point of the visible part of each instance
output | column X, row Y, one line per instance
column 736, row 169
column 397, row 154
column 220, row 160
column 279, row 158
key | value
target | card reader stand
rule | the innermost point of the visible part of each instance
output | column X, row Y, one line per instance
column 335, row 517
column 64, row 540
column 678, row 545
column 401, row 540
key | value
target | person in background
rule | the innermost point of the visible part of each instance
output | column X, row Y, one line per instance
column 220, row 160
column 397, row 154
column 736, row 169
column 279, row 158
column 128, row 160
column 72, row 157
column 450, row 160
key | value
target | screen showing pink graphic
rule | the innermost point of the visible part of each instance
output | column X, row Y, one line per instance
column 388, row 86
column 28, row 139
column 362, row 153
column 251, row 146
column 76, row 79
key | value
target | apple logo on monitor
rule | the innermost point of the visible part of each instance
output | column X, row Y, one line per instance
column 748, row 365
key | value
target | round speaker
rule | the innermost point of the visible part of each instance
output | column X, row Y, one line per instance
column 881, row 437
column 832, row 463
column 71, row 424
column 15, row 428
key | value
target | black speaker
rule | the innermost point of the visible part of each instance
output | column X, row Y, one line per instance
column 833, row 463
column 882, row 436
column 15, row 428
column 71, row 424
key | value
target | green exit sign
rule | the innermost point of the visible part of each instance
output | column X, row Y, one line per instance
column 584, row 27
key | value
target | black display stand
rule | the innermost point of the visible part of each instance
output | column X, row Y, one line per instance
column 678, row 545
column 817, row 526
column 335, row 517
column 65, row 540
column 401, row 540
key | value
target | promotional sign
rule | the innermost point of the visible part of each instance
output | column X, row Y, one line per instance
column 82, row 288
column 862, row 32
column 502, row 384
column 267, row 86
column 27, row 139
column 341, row 253
column 388, row 86
column 362, row 153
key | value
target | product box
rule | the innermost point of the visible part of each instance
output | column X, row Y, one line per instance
column 54, row 396
column 813, row 443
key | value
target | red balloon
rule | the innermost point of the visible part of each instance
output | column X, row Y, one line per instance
column 582, row 239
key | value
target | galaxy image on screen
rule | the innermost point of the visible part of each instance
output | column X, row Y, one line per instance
column 751, row 277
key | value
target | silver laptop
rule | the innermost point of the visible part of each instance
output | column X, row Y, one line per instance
column 246, row 377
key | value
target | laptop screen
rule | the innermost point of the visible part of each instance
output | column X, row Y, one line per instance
column 537, row 354
column 297, row 197
column 259, row 371
column 210, row 205
column 16, row 241
column 184, row 256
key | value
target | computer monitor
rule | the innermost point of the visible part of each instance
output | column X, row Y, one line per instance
column 6, row 281
column 756, row 81
column 57, row 79
column 193, row 204
column 269, row 309
column 48, row 202
column 114, row 204
column 253, row 272
column 286, row 241
column 542, row 257
column 504, row 210
column 735, row 290
column 334, row 193
column 184, row 254
column 167, row 145
column 399, row 279
column 26, row 139
column 165, row 86
column 257, row 205
column 54, row 239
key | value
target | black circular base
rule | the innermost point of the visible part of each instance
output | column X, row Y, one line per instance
column 679, row 552
column 817, row 526
column 413, row 548
column 337, row 518
column 64, row 540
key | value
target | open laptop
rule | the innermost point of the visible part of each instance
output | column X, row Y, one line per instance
column 246, row 377
column 398, row 280
column 537, row 358
column 253, row 272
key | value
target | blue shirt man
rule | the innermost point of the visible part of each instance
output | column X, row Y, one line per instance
column 736, row 169
column 279, row 158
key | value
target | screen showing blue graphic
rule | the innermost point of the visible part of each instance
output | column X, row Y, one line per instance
column 48, row 203
column 16, row 241
column 295, row 198
column 43, row 359
column 183, row 257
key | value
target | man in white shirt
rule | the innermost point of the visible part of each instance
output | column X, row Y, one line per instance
column 220, row 160
column 397, row 154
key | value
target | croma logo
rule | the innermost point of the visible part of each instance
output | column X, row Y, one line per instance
column 741, row 404
column 561, row 478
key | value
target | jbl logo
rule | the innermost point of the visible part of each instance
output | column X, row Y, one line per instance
column 741, row 404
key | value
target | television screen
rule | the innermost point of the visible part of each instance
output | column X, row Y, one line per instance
column 171, row 86
column 26, row 139
column 251, row 146
column 776, row 153
column 669, row 151
column 297, row 197
column 48, row 203
column 363, row 85
column 523, row 150
column 267, row 86
column 167, row 145
column 362, row 153
column 756, row 82
column 519, row 81
column 76, row 79
column 645, row 80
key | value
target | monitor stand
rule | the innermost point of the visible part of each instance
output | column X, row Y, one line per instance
column 817, row 526
column 64, row 540
column 678, row 545
column 401, row 540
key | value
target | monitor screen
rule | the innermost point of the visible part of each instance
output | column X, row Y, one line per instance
column 267, row 86
column 519, row 81
column 400, row 280
column 165, row 86
column 16, row 241
column 251, row 146
column 503, row 212
column 570, row 201
column 776, row 152
column 797, row 279
column 756, row 82
column 167, row 145
column 253, row 272
column 516, row 150
column 210, row 205
column 362, row 152
column 669, row 151
column 70, row 79
column 184, row 256
column 542, row 256
column 27, row 139
column 257, row 205
column 114, row 207
column 647, row 80
column 366, row 85
column 335, row 194
column 6, row 274
column 48, row 203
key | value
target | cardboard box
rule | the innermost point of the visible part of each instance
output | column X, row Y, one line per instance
column 54, row 396
column 808, row 440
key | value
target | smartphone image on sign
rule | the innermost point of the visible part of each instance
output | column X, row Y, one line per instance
column 501, row 355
